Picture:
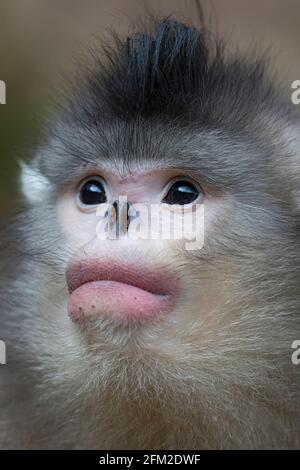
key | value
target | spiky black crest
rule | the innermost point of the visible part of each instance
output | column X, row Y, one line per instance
column 157, row 70
column 177, row 71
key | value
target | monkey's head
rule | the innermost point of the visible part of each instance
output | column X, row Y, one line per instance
column 166, row 122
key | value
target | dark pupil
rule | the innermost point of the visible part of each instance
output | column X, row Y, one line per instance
column 92, row 192
column 182, row 193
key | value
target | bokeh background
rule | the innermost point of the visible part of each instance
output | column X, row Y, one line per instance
column 42, row 41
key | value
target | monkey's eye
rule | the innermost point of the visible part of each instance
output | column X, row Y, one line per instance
column 181, row 192
column 92, row 193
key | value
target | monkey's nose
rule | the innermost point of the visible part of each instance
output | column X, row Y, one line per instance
column 119, row 218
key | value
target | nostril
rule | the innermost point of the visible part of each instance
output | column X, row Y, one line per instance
column 116, row 208
column 119, row 218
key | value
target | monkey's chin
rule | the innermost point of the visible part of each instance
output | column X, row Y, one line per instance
column 117, row 298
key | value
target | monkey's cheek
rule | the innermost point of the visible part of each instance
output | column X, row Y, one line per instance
column 101, row 298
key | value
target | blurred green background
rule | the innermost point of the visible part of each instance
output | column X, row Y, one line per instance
column 41, row 39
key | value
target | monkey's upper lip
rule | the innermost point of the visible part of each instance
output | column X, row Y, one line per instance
column 105, row 286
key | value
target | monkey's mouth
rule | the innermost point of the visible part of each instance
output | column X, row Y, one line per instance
column 103, row 287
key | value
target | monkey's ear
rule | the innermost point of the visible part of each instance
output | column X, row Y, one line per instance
column 34, row 185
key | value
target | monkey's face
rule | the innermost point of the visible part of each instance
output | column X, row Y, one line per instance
column 143, row 296
column 130, row 236
column 158, row 243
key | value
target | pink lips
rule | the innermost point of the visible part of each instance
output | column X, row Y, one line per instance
column 102, row 287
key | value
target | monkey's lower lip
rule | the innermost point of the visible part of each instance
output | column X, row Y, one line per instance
column 114, row 289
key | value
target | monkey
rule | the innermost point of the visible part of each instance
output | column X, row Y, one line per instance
column 137, row 342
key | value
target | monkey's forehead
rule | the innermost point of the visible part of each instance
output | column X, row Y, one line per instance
column 216, row 157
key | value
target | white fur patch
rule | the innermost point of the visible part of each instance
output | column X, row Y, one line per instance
column 34, row 185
